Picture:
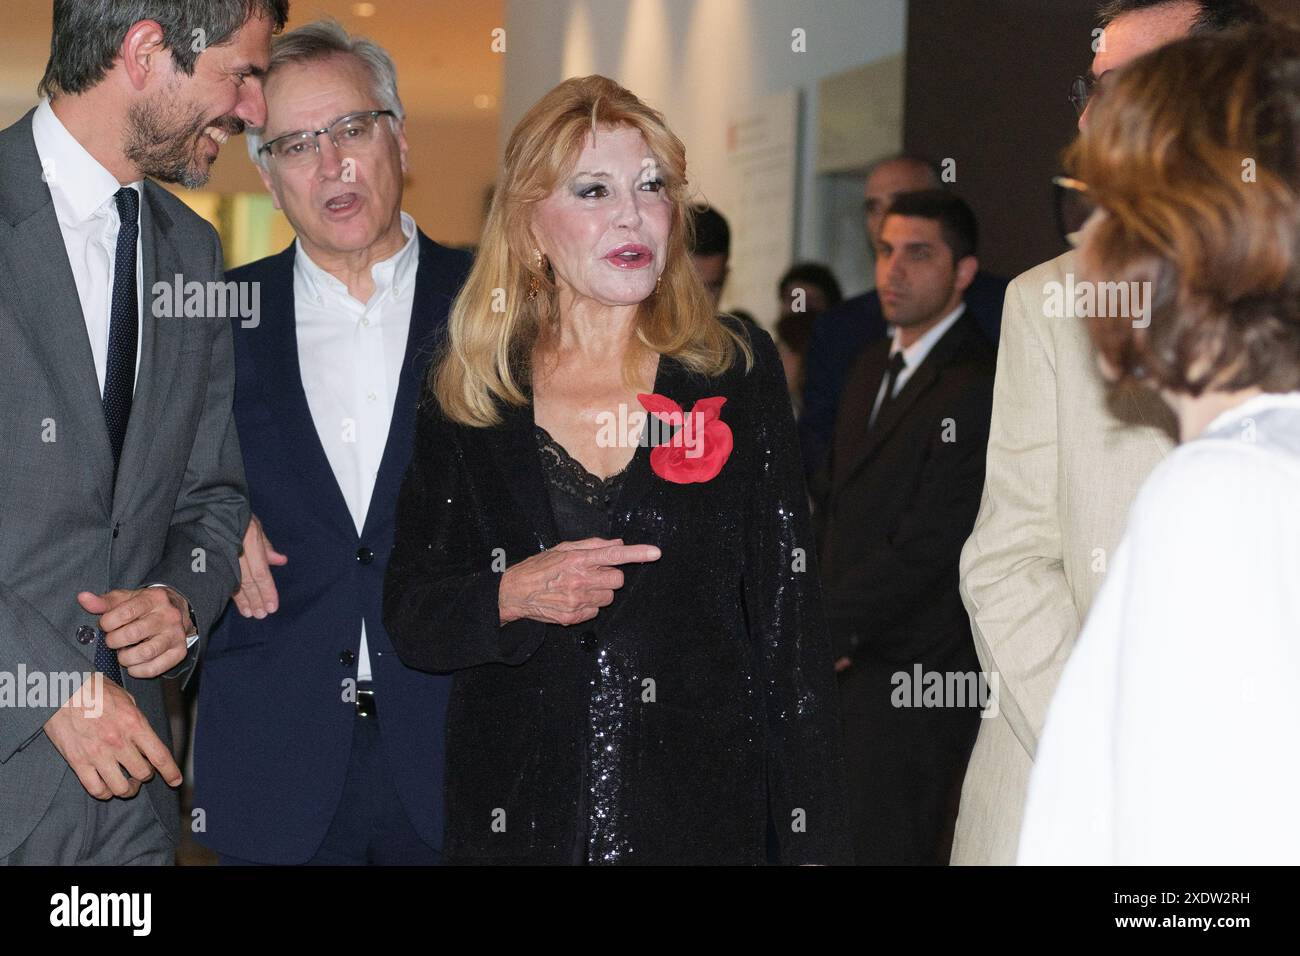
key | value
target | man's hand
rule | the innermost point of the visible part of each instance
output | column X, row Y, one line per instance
column 256, row 595
column 146, row 626
column 100, row 731
column 843, row 664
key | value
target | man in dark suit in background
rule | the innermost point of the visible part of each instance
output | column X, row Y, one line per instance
column 840, row 334
column 895, row 504
column 315, row 744
column 711, row 250
column 123, row 496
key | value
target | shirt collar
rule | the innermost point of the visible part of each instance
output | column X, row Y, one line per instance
column 1228, row 419
column 396, row 273
column 79, row 184
column 915, row 353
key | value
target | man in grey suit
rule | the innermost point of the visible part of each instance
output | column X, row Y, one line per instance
column 122, row 499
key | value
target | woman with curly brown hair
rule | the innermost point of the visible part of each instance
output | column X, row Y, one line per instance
column 1175, row 732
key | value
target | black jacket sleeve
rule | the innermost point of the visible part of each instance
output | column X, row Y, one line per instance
column 440, row 590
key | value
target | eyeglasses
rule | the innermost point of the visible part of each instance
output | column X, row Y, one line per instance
column 1085, row 89
column 1081, row 89
column 1073, row 205
column 346, row 133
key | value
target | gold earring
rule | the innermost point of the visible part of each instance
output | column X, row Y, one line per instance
column 534, row 286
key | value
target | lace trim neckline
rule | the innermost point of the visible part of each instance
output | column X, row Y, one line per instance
column 588, row 482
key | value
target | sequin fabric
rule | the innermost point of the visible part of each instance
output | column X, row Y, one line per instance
column 581, row 503
column 694, row 720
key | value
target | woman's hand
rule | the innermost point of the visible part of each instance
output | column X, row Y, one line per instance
column 569, row 583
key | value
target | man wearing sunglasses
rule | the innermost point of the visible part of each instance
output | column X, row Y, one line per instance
column 315, row 744
column 1063, row 467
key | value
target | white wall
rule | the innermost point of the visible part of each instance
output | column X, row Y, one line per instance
column 700, row 61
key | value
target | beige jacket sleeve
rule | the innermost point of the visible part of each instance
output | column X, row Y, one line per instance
column 1013, row 580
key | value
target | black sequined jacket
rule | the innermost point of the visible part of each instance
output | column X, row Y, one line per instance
column 722, row 708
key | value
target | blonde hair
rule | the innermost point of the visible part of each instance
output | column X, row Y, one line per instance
column 494, row 325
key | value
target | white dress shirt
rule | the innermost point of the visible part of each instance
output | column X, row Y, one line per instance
column 351, row 356
column 85, row 202
column 1174, row 735
column 914, row 355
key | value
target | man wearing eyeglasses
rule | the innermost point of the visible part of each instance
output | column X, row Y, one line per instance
column 315, row 744
column 1063, row 467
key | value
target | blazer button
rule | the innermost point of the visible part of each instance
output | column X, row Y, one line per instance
column 588, row 640
column 85, row 634
column 365, row 555
column 346, row 658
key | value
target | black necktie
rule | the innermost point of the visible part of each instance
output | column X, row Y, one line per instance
column 896, row 366
column 119, row 372
column 123, row 325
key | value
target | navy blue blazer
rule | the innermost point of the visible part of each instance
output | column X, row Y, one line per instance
column 843, row 333
column 274, row 730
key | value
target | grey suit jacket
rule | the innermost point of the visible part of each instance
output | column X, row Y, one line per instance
column 178, row 511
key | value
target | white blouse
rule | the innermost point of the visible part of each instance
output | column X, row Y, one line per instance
column 1174, row 736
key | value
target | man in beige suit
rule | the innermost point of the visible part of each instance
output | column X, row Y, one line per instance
column 1063, row 467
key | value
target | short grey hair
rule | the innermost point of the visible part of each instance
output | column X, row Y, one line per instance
column 321, row 40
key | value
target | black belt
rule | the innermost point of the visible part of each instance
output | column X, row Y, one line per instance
column 366, row 699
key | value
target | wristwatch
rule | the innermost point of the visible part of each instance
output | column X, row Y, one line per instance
column 192, row 634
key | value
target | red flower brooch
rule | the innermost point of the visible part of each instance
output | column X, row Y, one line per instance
column 700, row 446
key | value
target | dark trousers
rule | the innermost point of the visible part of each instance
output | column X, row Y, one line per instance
column 370, row 827
column 904, row 768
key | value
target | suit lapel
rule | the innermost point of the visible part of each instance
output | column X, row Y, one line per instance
column 48, row 307
column 421, row 344
column 851, row 427
column 278, row 367
column 159, row 349
column 672, row 380
column 917, row 385
column 513, row 447
column 896, row 410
